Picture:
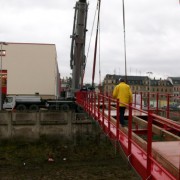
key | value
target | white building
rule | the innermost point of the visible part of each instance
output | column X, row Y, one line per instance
column 31, row 69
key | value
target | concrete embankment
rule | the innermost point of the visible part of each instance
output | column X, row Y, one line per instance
column 36, row 124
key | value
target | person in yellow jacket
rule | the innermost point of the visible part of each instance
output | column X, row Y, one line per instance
column 122, row 92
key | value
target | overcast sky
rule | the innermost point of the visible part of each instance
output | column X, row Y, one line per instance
column 152, row 33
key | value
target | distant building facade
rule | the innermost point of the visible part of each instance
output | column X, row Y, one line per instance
column 144, row 84
column 31, row 68
column 176, row 88
column 65, row 86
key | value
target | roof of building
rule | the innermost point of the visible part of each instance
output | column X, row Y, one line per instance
column 29, row 43
column 109, row 76
column 174, row 80
column 139, row 80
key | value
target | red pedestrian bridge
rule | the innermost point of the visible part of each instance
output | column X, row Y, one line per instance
column 150, row 141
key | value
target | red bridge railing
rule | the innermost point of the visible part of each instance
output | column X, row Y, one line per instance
column 161, row 104
column 101, row 107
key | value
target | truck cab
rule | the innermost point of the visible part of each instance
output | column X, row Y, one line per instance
column 9, row 102
column 22, row 103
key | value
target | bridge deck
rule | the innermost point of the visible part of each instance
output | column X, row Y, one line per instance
column 169, row 150
column 166, row 153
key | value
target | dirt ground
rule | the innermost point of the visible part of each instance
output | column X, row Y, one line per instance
column 48, row 159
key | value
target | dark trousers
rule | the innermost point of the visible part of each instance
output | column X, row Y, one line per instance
column 122, row 111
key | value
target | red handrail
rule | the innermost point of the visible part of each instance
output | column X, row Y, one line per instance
column 142, row 161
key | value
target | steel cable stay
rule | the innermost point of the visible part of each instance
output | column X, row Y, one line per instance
column 92, row 29
column 99, row 60
column 96, row 41
column 124, row 31
column 127, row 157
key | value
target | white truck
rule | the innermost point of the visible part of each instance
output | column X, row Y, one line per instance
column 34, row 103
column 22, row 103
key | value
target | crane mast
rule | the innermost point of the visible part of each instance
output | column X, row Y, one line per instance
column 77, row 55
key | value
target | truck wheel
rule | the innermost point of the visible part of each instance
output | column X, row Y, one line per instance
column 53, row 107
column 65, row 107
column 21, row 107
column 79, row 109
column 34, row 107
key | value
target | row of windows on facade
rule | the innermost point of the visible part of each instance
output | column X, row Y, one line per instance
column 138, row 88
column 165, row 91
column 176, row 88
column 151, row 82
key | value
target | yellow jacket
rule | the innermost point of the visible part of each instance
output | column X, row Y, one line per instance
column 123, row 92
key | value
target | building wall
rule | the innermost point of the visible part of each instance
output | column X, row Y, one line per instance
column 31, row 68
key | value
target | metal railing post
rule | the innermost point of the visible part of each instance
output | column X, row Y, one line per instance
column 94, row 105
column 130, row 129
column 157, row 103
column 99, row 106
column 103, row 111
column 148, row 101
column 168, row 98
column 141, row 100
column 86, row 102
column 117, row 119
column 91, row 104
column 83, row 98
column 109, row 113
column 149, row 143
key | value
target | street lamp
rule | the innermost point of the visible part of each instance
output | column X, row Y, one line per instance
column 3, row 53
column 124, row 29
column 149, row 73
